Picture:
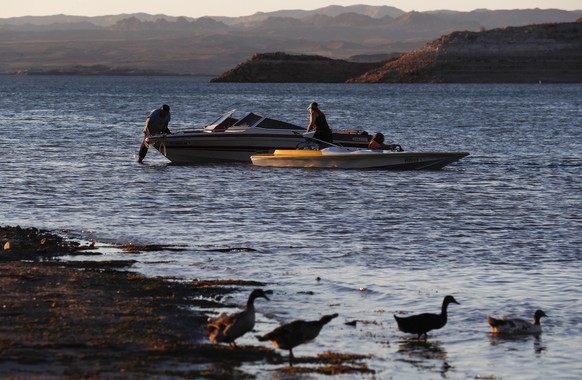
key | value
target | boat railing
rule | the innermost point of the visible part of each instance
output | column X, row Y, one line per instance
column 351, row 131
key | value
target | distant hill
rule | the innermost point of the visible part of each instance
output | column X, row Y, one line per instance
column 528, row 54
column 329, row 11
column 211, row 45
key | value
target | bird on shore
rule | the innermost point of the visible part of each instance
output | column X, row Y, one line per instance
column 291, row 335
column 228, row 329
column 421, row 324
column 506, row 325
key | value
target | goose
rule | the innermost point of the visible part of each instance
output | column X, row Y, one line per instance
column 291, row 335
column 505, row 325
column 227, row 329
column 422, row 323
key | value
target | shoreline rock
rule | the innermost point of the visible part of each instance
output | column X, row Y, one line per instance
column 18, row 243
column 95, row 319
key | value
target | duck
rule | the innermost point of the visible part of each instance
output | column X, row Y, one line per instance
column 506, row 325
column 291, row 335
column 421, row 324
column 231, row 327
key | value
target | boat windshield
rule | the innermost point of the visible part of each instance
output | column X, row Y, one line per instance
column 222, row 122
column 278, row 124
column 249, row 121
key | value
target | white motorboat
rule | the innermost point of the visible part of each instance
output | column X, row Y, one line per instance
column 231, row 139
column 353, row 158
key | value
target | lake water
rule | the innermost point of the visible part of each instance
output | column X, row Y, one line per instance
column 500, row 230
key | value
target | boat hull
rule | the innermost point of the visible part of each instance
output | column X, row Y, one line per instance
column 200, row 147
column 358, row 160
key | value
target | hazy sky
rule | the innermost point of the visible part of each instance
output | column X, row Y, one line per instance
column 199, row 8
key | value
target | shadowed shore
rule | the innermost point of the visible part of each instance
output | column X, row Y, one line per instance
column 92, row 319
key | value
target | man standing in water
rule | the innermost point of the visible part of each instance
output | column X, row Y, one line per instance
column 318, row 122
column 156, row 123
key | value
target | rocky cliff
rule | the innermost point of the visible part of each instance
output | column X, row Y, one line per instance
column 281, row 67
column 535, row 53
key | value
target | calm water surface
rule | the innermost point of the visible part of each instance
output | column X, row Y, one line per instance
column 499, row 230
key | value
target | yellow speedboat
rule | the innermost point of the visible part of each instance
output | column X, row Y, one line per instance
column 353, row 158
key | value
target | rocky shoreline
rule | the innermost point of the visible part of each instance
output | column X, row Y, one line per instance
column 95, row 319
column 547, row 53
column 286, row 68
column 94, row 70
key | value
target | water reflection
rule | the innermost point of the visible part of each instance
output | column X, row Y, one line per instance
column 518, row 342
column 421, row 355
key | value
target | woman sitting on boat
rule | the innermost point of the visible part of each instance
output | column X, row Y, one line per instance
column 377, row 143
column 318, row 122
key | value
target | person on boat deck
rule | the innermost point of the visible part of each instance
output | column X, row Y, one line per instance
column 377, row 143
column 318, row 122
column 156, row 123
